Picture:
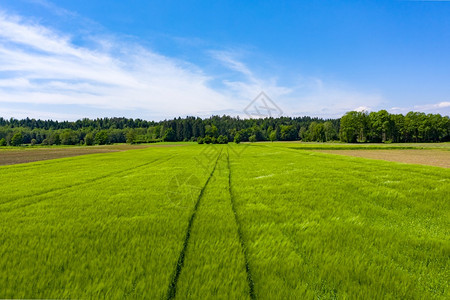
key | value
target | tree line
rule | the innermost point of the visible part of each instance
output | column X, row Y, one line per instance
column 381, row 126
column 352, row 127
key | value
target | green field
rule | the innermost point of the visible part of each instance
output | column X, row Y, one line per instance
column 260, row 221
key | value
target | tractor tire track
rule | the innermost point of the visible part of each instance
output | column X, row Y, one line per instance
column 67, row 187
column 172, row 290
column 251, row 285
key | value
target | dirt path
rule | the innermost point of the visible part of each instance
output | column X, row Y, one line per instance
column 439, row 158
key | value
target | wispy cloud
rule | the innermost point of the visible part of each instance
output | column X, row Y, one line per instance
column 248, row 85
column 305, row 96
column 442, row 107
column 39, row 65
column 42, row 67
column 52, row 7
column 434, row 107
column 321, row 98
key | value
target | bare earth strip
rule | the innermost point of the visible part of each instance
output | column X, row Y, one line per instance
column 439, row 158
column 11, row 157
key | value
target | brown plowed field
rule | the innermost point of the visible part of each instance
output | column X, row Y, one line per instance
column 19, row 156
column 439, row 158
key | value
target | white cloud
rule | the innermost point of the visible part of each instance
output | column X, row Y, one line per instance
column 52, row 7
column 252, row 84
column 440, row 107
column 40, row 66
column 39, row 114
column 443, row 104
column 318, row 98
column 362, row 108
column 307, row 96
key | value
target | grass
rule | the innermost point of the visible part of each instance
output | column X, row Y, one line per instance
column 259, row 221
column 215, row 262
column 325, row 226
column 115, row 236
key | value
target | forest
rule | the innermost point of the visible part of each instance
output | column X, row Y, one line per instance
column 353, row 127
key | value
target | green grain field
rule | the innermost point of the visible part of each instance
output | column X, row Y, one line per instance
column 259, row 221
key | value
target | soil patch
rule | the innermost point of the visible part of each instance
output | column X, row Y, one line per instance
column 19, row 156
column 439, row 158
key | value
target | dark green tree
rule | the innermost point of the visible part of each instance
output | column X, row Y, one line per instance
column 354, row 125
column 17, row 139
column 130, row 136
column 89, row 139
column 330, row 131
column 211, row 130
column 54, row 139
column 169, row 135
column 237, row 138
column 207, row 139
column 222, row 139
column 273, row 136
column 288, row 133
column 101, row 137
column 69, row 137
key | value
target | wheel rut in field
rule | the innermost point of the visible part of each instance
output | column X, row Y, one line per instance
column 179, row 266
column 251, row 285
column 112, row 174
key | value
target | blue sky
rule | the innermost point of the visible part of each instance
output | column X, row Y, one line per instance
column 163, row 59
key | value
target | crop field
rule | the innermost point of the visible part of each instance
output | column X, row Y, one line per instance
column 433, row 154
column 12, row 155
column 439, row 158
column 247, row 221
